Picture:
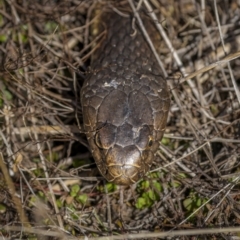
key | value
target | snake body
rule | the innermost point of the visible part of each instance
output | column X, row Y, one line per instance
column 125, row 101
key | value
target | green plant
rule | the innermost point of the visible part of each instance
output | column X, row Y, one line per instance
column 109, row 187
column 77, row 195
column 148, row 191
column 193, row 202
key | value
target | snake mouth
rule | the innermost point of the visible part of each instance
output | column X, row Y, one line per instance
column 123, row 175
column 126, row 165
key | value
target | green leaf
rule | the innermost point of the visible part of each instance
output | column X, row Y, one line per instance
column 154, row 175
column 38, row 172
column 80, row 162
column 41, row 194
column 82, row 198
column 151, row 195
column 187, row 203
column 165, row 141
column 32, row 201
column 3, row 38
column 74, row 190
column 59, row 203
column 1, row 17
column 111, row 187
column 7, row 95
column 145, row 184
column 158, row 186
column 50, row 26
column 148, row 201
column 53, row 157
column 141, row 202
column 3, row 208
column 198, row 202
column 182, row 175
column 175, row 184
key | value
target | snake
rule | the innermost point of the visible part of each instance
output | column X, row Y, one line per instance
column 125, row 100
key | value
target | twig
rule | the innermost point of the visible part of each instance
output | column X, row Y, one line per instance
column 12, row 191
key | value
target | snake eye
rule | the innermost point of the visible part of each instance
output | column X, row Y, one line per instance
column 98, row 140
column 150, row 141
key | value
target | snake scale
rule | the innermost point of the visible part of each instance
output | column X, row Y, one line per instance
column 125, row 100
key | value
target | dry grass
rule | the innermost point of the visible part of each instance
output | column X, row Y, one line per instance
column 52, row 188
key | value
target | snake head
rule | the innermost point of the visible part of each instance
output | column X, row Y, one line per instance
column 123, row 135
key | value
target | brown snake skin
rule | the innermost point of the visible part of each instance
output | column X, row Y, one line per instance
column 125, row 101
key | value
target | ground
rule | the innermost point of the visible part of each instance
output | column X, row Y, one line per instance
column 50, row 186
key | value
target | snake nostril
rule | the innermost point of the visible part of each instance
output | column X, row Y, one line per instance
column 150, row 141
